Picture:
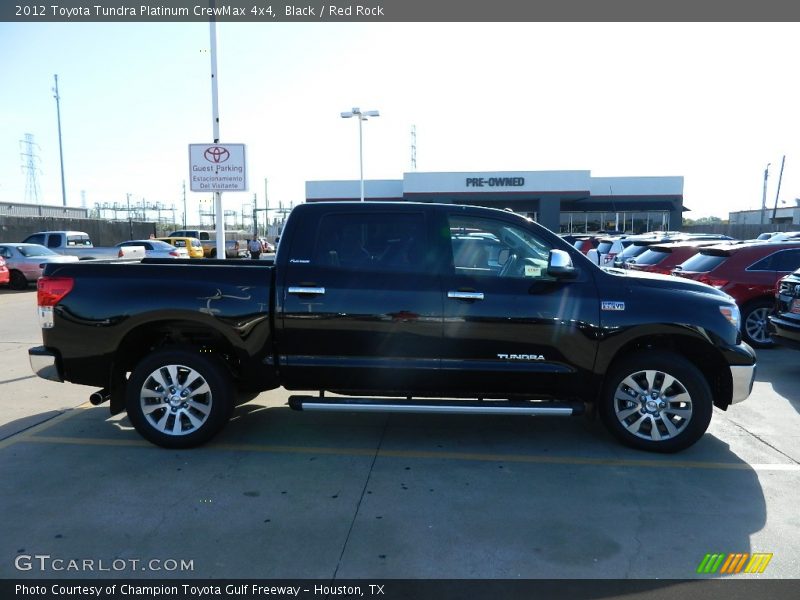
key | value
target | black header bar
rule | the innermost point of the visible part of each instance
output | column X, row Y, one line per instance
column 376, row 11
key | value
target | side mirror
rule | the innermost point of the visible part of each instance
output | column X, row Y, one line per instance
column 559, row 265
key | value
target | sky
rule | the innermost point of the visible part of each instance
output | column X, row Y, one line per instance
column 714, row 103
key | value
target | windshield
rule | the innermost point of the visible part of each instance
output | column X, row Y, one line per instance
column 35, row 250
column 163, row 246
column 632, row 250
column 604, row 247
column 702, row 263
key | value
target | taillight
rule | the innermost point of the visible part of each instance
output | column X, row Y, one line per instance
column 49, row 292
column 120, row 254
column 173, row 253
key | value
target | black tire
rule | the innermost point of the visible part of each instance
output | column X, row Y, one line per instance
column 644, row 413
column 213, row 253
column 179, row 398
column 754, row 324
column 17, row 281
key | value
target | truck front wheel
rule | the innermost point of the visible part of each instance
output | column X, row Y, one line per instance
column 657, row 401
column 178, row 398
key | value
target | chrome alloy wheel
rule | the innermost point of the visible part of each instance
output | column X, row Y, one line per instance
column 175, row 400
column 756, row 325
column 653, row 405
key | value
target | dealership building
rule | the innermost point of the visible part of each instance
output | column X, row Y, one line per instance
column 565, row 201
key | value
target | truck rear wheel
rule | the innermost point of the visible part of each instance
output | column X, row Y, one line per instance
column 657, row 401
column 177, row 398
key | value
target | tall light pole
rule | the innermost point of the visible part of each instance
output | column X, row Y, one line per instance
column 60, row 149
column 362, row 116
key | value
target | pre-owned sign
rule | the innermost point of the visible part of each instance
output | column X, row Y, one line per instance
column 495, row 181
column 217, row 168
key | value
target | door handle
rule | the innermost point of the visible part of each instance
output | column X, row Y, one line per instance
column 460, row 295
column 302, row 289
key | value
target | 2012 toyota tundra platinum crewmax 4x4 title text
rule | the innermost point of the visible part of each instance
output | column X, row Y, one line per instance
column 397, row 307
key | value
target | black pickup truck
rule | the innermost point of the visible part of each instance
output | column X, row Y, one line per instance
column 394, row 306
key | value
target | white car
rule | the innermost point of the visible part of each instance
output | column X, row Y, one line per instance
column 27, row 261
column 157, row 249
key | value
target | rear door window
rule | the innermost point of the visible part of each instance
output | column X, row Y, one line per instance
column 78, row 240
column 375, row 242
column 784, row 261
column 37, row 238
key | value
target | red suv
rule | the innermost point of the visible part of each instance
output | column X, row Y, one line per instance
column 4, row 274
column 749, row 273
column 663, row 258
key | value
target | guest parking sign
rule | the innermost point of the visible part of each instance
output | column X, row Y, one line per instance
column 217, row 168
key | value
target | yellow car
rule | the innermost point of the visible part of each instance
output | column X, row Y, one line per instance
column 192, row 245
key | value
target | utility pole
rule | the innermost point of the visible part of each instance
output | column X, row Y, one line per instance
column 764, row 194
column 130, row 217
column 780, row 177
column 60, row 148
column 257, row 210
column 413, row 147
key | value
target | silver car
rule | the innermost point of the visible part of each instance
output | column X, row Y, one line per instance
column 27, row 261
column 157, row 249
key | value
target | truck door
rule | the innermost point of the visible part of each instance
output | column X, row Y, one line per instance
column 509, row 327
column 360, row 306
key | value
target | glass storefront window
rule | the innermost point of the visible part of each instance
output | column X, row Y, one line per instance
column 594, row 221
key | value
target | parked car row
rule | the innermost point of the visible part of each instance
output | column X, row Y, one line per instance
column 746, row 270
column 784, row 322
column 23, row 263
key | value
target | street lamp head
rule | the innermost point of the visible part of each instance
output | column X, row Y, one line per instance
column 372, row 113
column 346, row 115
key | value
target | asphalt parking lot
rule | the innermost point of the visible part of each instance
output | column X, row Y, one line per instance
column 281, row 494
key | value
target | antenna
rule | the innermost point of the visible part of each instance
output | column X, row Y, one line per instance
column 616, row 213
column 31, row 167
column 413, row 147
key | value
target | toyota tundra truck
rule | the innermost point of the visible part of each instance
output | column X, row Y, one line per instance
column 397, row 306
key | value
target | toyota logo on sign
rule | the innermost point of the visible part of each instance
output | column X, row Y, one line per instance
column 216, row 154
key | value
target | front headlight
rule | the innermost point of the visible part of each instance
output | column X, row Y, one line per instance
column 732, row 314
